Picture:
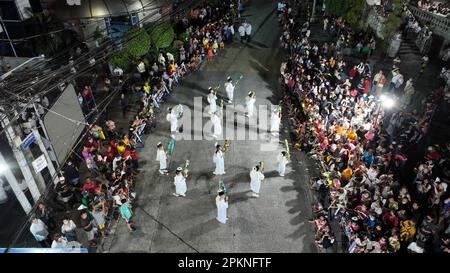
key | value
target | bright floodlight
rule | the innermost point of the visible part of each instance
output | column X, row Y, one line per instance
column 388, row 103
column 3, row 168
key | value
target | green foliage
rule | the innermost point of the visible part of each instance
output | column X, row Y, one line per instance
column 137, row 42
column 350, row 10
column 162, row 35
column 121, row 59
column 393, row 21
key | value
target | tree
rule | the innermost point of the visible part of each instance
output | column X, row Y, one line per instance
column 393, row 21
column 121, row 59
column 162, row 35
column 350, row 10
column 136, row 42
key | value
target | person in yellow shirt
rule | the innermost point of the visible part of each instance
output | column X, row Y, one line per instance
column 407, row 230
column 121, row 148
column 147, row 88
column 351, row 134
column 347, row 174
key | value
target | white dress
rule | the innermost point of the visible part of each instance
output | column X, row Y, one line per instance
column 229, row 88
column 282, row 161
column 222, row 207
column 275, row 123
column 173, row 122
column 212, row 103
column 162, row 158
column 220, row 164
column 217, row 127
column 180, row 185
column 250, row 106
column 255, row 182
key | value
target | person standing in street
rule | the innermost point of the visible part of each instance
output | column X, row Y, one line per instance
column 256, row 176
column 222, row 206
column 282, row 162
column 172, row 118
column 248, row 32
column 87, row 223
column 229, row 89
column 241, row 31
column 161, row 156
column 40, row 232
column 219, row 161
column 275, row 121
column 180, row 183
column 250, row 104
column 217, row 126
column 211, row 98
column 68, row 229
column 127, row 214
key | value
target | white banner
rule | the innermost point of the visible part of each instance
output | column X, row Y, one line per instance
column 39, row 163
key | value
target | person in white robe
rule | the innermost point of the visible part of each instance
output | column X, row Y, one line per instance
column 275, row 121
column 173, row 119
column 217, row 126
column 162, row 158
column 212, row 101
column 282, row 162
column 250, row 104
column 256, row 176
column 180, row 183
column 229, row 89
column 219, row 161
column 222, row 206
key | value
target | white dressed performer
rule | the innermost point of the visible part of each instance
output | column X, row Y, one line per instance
column 180, row 183
column 282, row 162
column 162, row 158
column 219, row 160
column 217, row 126
column 212, row 100
column 222, row 206
column 256, row 176
column 229, row 89
column 173, row 119
column 275, row 121
column 250, row 104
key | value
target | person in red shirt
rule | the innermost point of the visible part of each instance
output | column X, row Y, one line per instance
column 134, row 158
column 110, row 153
column 390, row 220
column 353, row 72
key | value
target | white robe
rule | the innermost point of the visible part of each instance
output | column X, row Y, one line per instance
column 217, row 127
column 180, row 185
column 250, row 106
column 222, row 207
column 220, row 164
column 282, row 162
column 212, row 103
column 275, row 123
column 255, row 182
column 172, row 118
column 162, row 158
column 229, row 88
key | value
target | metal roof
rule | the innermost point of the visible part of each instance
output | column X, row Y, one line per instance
column 103, row 8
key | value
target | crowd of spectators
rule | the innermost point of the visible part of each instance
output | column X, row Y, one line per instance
column 357, row 127
column 106, row 191
column 441, row 8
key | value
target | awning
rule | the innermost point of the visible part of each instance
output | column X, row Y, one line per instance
column 102, row 8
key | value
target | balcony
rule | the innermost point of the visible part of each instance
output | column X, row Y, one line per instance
column 440, row 25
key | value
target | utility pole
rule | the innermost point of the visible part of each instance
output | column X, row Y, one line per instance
column 21, row 160
column 15, row 186
column 50, row 166
column 313, row 13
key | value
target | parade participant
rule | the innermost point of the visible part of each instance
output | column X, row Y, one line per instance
column 275, row 121
column 172, row 118
column 180, row 183
column 241, row 31
column 222, row 206
column 219, row 160
column 229, row 88
column 282, row 162
column 217, row 126
column 162, row 158
column 250, row 104
column 248, row 31
column 256, row 176
column 212, row 100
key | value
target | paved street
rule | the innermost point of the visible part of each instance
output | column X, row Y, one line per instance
column 275, row 222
